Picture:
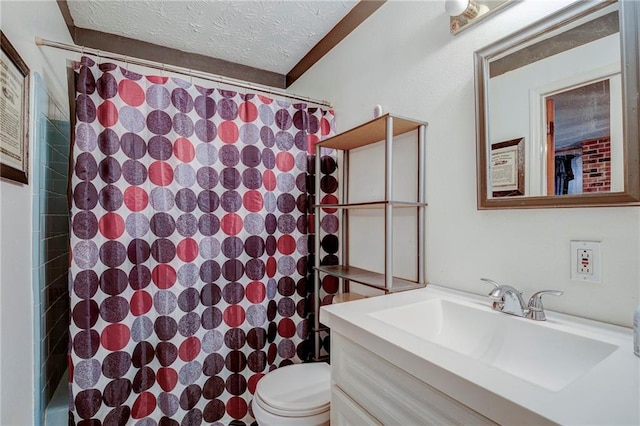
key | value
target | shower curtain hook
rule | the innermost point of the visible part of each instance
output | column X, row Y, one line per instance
column 99, row 57
column 126, row 62
column 191, row 76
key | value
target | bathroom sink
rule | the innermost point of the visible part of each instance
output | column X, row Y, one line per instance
column 530, row 350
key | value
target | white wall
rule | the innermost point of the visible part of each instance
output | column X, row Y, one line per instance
column 21, row 22
column 404, row 58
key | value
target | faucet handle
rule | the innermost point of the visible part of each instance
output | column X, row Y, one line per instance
column 487, row 280
column 536, row 310
column 498, row 292
column 495, row 294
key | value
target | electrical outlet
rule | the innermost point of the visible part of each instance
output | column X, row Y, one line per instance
column 585, row 261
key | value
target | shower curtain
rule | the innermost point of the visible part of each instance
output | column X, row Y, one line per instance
column 190, row 245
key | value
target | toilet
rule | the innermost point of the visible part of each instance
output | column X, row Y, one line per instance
column 294, row 395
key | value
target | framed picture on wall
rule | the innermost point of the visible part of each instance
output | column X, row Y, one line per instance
column 14, row 114
column 507, row 168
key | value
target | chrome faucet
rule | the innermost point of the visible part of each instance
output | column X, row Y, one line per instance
column 509, row 300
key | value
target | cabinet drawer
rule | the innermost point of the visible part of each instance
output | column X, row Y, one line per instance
column 390, row 394
column 345, row 412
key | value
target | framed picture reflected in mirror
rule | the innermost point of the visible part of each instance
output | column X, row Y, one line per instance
column 507, row 168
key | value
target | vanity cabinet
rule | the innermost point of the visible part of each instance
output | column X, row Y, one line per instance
column 346, row 412
column 463, row 363
column 367, row 390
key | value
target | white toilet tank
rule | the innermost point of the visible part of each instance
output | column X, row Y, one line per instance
column 294, row 395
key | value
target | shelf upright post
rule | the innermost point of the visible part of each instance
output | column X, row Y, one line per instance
column 344, row 224
column 422, row 184
column 317, row 212
column 388, row 208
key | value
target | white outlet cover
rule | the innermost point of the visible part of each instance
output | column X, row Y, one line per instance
column 594, row 246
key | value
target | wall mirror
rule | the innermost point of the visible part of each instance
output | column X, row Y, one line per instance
column 557, row 111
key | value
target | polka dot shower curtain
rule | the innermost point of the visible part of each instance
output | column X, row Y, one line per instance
column 189, row 271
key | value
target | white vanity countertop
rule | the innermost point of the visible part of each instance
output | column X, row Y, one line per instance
column 607, row 394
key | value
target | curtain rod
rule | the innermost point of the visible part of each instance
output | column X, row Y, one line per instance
column 175, row 69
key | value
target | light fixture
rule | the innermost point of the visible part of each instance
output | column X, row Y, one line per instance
column 467, row 9
column 462, row 12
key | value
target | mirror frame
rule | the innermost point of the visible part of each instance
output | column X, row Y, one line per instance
column 629, row 12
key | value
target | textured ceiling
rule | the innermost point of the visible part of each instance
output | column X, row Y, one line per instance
column 270, row 35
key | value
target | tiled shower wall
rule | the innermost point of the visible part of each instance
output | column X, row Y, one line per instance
column 49, row 178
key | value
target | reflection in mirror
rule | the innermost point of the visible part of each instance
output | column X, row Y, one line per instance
column 578, row 125
column 583, row 51
column 557, row 89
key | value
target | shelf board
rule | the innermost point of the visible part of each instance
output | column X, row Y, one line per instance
column 324, row 358
column 370, row 205
column 369, row 278
column 347, row 297
column 370, row 132
column 321, row 328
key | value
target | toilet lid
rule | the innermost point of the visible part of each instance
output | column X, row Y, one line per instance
column 296, row 390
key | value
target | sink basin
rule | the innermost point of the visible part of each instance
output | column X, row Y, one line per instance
column 527, row 349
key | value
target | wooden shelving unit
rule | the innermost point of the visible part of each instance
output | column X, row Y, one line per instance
column 380, row 130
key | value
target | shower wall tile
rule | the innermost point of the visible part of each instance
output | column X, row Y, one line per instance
column 50, row 242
